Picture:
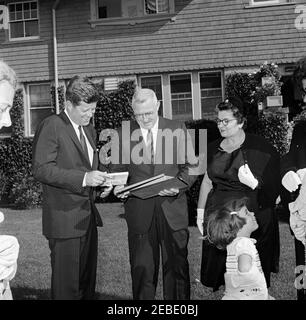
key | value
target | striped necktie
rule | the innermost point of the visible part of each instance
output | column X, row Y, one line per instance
column 150, row 146
column 83, row 143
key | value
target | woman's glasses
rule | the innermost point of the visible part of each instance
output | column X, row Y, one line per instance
column 225, row 122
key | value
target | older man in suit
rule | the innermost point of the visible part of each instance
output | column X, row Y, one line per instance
column 65, row 161
column 160, row 222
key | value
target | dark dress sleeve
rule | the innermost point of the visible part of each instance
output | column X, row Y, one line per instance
column 265, row 164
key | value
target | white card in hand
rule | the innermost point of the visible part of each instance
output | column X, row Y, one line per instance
column 116, row 178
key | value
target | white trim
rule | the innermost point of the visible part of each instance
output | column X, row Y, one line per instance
column 262, row 2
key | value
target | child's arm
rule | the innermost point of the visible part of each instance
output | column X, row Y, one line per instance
column 9, row 249
column 244, row 263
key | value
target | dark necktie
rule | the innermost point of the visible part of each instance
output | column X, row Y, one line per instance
column 150, row 146
column 83, row 143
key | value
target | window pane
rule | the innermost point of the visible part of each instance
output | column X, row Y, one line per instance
column 16, row 29
column 26, row 14
column 31, row 28
column 37, row 115
column 26, row 6
column 33, row 14
column 109, row 8
column 156, row 6
column 154, row 83
column 181, row 96
column 33, row 5
column 211, row 92
column 39, row 95
column 40, row 104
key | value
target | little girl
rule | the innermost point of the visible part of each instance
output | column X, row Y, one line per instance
column 230, row 228
column 9, row 249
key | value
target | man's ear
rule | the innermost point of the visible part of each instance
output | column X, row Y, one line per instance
column 68, row 105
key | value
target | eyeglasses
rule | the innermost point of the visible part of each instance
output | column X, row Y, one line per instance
column 225, row 122
column 144, row 115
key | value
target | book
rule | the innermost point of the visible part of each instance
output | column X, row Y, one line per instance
column 116, row 178
column 151, row 187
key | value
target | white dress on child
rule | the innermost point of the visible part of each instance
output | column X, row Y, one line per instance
column 9, row 249
column 249, row 285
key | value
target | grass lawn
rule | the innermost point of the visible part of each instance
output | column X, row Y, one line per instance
column 32, row 280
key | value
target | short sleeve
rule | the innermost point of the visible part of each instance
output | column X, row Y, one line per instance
column 9, row 250
column 246, row 246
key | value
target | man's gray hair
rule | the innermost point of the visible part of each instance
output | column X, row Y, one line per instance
column 8, row 74
column 141, row 95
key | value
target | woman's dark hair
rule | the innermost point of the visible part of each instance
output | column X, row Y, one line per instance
column 81, row 89
column 234, row 104
column 223, row 225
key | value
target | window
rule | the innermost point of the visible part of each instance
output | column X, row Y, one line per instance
column 156, row 6
column 211, row 92
column 23, row 20
column 154, row 83
column 181, row 96
column 39, row 104
column 131, row 8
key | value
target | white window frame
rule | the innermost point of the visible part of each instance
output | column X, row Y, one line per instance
column 262, row 2
column 145, row 18
column 162, row 86
column 38, row 19
column 192, row 92
column 157, row 13
column 222, row 84
column 28, row 107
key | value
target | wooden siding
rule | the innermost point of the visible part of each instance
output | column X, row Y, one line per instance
column 205, row 35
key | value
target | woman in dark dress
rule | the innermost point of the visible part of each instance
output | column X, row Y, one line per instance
column 239, row 165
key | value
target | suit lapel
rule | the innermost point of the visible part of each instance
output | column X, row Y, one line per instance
column 93, row 145
column 73, row 136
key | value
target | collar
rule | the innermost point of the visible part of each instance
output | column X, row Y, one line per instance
column 154, row 129
column 75, row 126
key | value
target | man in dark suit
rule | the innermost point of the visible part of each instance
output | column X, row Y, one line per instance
column 161, row 221
column 65, row 161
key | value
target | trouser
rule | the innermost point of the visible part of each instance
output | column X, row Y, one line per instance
column 144, row 259
column 74, row 265
column 300, row 261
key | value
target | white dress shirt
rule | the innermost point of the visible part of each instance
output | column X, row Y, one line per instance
column 89, row 147
column 154, row 130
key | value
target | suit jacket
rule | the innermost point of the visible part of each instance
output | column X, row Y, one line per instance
column 139, row 212
column 59, row 163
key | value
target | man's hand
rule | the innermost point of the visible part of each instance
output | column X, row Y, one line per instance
column 95, row 178
column 122, row 195
column 106, row 191
column 246, row 177
column 291, row 181
column 200, row 219
column 169, row 192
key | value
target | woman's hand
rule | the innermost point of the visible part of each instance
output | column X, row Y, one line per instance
column 246, row 177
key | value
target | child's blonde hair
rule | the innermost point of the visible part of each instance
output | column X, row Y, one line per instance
column 224, row 224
